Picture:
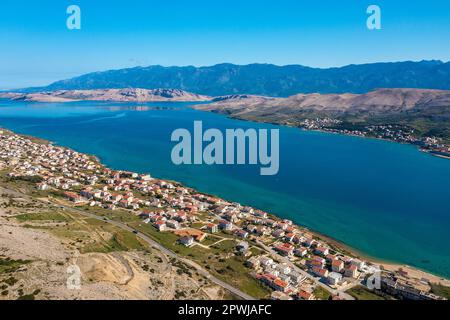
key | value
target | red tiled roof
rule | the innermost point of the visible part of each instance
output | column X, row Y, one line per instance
column 304, row 295
column 337, row 263
column 280, row 283
column 71, row 194
column 320, row 271
column 290, row 235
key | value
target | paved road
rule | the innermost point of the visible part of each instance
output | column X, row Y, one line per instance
column 316, row 280
column 168, row 252
column 155, row 245
column 275, row 255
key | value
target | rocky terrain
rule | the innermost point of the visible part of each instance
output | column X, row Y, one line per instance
column 39, row 242
column 118, row 95
column 378, row 102
column 425, row 111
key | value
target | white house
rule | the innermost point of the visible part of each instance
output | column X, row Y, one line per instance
column 283, row 268
column 225, row 225
column 266, row 261
column 300, row 252
column 334, row 278
column 187, row 241
column 173, row 224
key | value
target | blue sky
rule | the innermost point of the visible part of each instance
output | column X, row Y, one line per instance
column 37, row 48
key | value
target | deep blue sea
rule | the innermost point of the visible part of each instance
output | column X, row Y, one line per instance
column 387, row 200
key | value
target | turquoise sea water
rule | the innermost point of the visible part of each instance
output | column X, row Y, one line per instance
column 387, row 200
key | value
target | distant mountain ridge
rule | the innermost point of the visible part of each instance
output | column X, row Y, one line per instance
column 119, row 95
column 267, row 79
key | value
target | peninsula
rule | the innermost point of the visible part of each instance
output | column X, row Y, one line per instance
column 416, row 116
column 118, row 95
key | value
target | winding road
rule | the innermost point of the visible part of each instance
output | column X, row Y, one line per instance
column 167, row 252
column 316, row 280
column 149, row 241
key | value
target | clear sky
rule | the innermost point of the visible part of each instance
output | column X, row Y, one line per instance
column 37, row 48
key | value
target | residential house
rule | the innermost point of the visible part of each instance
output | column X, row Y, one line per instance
column 320, row 272
column 279, row 233
column 261, row 214
column 231, row 216
column 213, row 228
column 265, row 261
column 320, row 260
column 274, row 282
column 280, row 285
column 42, row 186
column 285, row 249
column 225, row 225
column 300, row 252
column 314, row 263
column 289, row 237
column 241, row 233
column 337, row 265
column 295, row 277
column 253, row 263
column 309, row 242
column 116, row 198
column 283, row 268
column 73, row 197
column 304, row 295
column 322, row 251
column 351, row 271
column 173, row 224
column 334, row 278
column 358, row 263
column 262, row 230
column 199, row 237
column 242, row 247
column 187, row 241
column 160, row 225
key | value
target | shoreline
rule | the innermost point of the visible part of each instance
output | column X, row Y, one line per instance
column 386, row 265
column 419, row 148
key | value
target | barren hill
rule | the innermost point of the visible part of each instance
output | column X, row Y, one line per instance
column 125, row 95
column 380, row 101
column 426, row 111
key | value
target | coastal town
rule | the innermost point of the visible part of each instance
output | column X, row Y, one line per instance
column 397, row 133
column 289, row 261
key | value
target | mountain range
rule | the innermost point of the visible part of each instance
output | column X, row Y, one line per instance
column 266, row 79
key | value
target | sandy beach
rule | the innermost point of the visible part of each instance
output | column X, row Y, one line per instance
column 410, row 272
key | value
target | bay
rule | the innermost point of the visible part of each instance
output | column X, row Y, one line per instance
column 386, row 200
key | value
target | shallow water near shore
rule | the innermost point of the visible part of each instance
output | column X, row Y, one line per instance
column 384, row 199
